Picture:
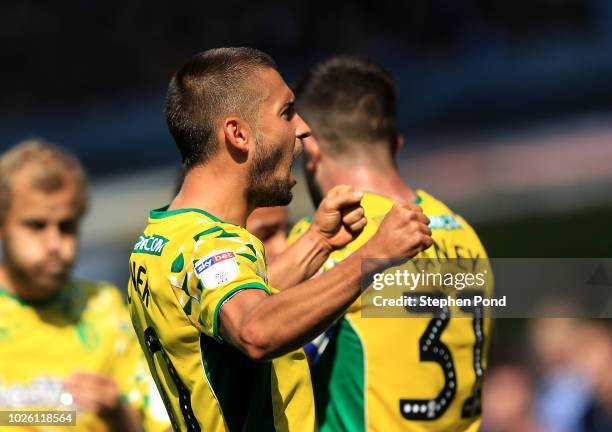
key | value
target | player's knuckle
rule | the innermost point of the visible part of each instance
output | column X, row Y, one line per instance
column 415, row 225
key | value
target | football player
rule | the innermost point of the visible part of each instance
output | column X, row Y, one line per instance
column 223, row 343
column 64, row 343
column 379, row 374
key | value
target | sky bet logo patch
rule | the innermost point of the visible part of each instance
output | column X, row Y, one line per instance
column 217, row 268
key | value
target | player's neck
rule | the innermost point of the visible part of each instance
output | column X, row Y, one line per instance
column 214, row 190
column 384, row 182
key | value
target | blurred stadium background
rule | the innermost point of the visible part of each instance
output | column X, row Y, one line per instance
column 506, row 108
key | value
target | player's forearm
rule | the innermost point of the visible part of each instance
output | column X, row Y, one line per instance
column 284, row 322
column 299, row 261
column 265, row 327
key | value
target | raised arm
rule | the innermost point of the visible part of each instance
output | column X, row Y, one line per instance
column 264, row 327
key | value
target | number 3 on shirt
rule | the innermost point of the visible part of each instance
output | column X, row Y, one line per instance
column 432, row 349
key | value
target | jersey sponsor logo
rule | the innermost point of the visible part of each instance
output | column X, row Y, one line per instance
column 40, row 392
column 446, row 222
column 152, row 245
column 217, row 268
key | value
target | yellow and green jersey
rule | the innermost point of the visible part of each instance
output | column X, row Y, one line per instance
column 84, row 327
column 184, row 267
column 374, row 374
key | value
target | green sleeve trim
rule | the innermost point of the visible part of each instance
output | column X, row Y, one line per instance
column 228, row 296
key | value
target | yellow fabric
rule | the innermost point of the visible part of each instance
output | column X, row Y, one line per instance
column 185, row 266
column 392, row 369
column 85, row 327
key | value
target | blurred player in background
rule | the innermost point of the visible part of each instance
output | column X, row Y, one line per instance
column 508, row 395
column 392, row 374
column 64, row 344
column 574, row 386
column 224, row 345
column 269, row 224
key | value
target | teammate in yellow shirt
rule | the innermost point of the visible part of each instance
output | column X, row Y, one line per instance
column 65, row 344
column 378, row 374
column 223, row 344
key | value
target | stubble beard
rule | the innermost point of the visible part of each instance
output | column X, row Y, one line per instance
column 264, row 190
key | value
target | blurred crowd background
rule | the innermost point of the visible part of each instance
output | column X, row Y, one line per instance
column 506, row 109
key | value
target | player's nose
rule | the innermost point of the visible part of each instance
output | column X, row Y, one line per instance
column 53, row 239
column 302, row 129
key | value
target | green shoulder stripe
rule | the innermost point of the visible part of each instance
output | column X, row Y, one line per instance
column 250, row 246
column 225, row 234
column 247, row 256
column 206, row 232
column 215, row 229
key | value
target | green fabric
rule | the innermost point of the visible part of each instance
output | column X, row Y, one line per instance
column 247, row 256
column 163, row 212
column 177, row 264
column 155, row 249
column 229, row 295
column 222, row 234
column 250, row 246
column 206, row 232
column 88, row 335
column 242, row 387
column 338, row 382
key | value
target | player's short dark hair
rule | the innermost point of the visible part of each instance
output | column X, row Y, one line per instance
column 349, row 100
column 212, row 84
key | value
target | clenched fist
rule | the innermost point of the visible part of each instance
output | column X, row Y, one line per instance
column 340, row 217
column 403, row 233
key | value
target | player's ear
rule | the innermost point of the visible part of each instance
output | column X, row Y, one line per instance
column 397, row 145
column 237, row 133
column 312, row 153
